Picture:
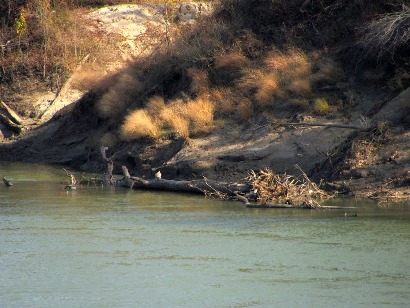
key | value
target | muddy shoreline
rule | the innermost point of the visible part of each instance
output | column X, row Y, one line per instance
column 230, row 152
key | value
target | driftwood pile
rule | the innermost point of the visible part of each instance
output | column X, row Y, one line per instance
column 264, row 188
column 271, row 188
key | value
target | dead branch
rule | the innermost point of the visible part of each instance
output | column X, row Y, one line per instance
column 10, row 124
column 53, row 108
column 107, row 175
column 11, row 114
column 320, row 124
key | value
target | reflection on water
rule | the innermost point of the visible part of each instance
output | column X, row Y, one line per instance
column 104, row 247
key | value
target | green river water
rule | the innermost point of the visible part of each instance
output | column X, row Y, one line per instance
column 106, row 247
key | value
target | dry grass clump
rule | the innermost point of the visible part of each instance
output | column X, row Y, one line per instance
column 155, row 105
column 139, row 124
column 283, row 75
column 276, row 188
column 201, row 114
column 199, row 81
column 321, row 106
column 245, row 110
column 264, row 85
column 291, row 63
column 119, row 96
column 224, row 100
column 233, row 61
column 173, row 115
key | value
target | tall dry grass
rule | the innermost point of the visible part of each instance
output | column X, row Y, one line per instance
column 200, row 112
column 139, row 124
column 173, row 116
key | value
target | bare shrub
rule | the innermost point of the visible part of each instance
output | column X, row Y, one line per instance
column 283, row 188
column 173, row 115
column 385, row 35
column 137, row 125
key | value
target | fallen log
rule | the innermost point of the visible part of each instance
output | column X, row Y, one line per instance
column 193, row 186
column 57, row 103
column 298, row 206
column 11, row 114
column 321, row 125
column 10, row 124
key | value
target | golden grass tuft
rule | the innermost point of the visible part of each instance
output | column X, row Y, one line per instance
column 293, row 63
column 300, row 86
column 139, row 124
column 108, row 140
column 88, row 77
column 264, row 85
column 201, row 114
column 173, row 115
column 111, row 104
column 321, row 106
column 267, row 88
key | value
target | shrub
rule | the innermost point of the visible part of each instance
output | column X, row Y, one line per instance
column 137, row 125
column 224, row 100
column 385, row 35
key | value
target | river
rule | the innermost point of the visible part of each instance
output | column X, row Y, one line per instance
column 113, row 247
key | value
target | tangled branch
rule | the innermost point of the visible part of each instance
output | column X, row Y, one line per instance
column 386, row 34
column 282, row 188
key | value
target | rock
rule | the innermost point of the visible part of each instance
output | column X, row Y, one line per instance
column 395, row 111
